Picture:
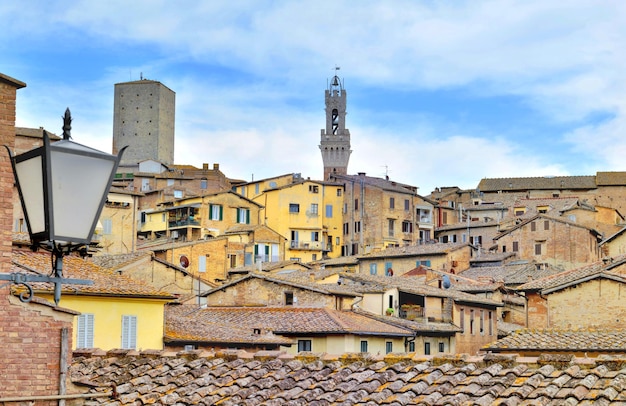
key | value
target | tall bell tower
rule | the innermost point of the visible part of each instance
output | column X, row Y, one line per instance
column 335, row 139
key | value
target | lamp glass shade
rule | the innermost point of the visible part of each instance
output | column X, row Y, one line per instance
column 29, row 173
column 63, row 187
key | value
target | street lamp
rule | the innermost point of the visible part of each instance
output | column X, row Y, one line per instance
column 62, row 187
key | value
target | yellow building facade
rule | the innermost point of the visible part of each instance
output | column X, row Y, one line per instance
column 309, row 215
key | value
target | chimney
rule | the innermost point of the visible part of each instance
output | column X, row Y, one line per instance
column 216, row 167
column 205, row 167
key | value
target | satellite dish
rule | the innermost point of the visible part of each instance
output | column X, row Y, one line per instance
column 184, row 261
column 446, row 282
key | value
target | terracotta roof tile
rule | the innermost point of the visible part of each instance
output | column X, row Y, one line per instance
column 105, row 281
column 562, row 340
column 577, row 274
column 537, row 183
column 272, row 378
column 190, row 321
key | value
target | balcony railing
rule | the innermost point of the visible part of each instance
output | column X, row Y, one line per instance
column 307, row 245
column 182, row 223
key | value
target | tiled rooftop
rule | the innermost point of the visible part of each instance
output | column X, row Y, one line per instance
column 410, row 284
column 510, row 274
column 270, row 378
column 538, row 183
column 105, row 282
column 421, row 249
column 191, row 319
column 570, row 276
column 557, row 340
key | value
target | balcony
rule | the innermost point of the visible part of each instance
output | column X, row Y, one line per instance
column 306, row 245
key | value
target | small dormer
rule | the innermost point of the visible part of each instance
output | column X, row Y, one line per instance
column 543, row 209
column 519, row 210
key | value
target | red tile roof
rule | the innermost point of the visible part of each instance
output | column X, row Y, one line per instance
column 273, row 378
column 105, row 281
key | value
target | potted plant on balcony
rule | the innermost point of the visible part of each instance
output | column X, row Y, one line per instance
column 389, row 311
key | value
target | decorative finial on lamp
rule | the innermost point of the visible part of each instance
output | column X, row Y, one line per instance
column 67, row 124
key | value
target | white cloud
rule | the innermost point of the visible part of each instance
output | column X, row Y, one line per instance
column 249, row 78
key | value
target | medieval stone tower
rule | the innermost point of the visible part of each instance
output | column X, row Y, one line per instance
column 335, row 139
column 143, row 120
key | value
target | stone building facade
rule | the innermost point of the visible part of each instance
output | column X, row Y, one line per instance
column 143, row 121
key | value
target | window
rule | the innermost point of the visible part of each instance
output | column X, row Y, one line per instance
column 490, row 323
column 256, row 189
column 391, row 225
column 304, row 345
column 392, row 202
column 216, row 212
column 357, row 226
column 338, row 192
column 314, row 208
column 423, row 215
column 204, row 183
column 471, row 326
column 462, row 320
column 20, row 226
column 294, row 208
column 407, row 204
column 315, row 235
column 387, row 268
column 314, row 188
column 373, row 270
column 407, row 227
column 107, row 226
column 178, row 194
column 346, row 228
column 329, row 210
column 546, row 225
column 170, row 182
column 363, row 346
column 243, row 216
column 190, row 347
column 411, row 346
column 442, row 347
column 129, row 332
column 476, row 240
column 84, row 331
column 388, row 347
column 538, row 248
column 426, row 348
column 515, row 246
column 482, row 322
column 356, row 204
column 288, row 298
column 424, row 262
column 533, row 226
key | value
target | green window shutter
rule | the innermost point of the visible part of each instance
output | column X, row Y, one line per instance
column 247, row 216
column 256, row 250
column 221, row 213
column 210, row 212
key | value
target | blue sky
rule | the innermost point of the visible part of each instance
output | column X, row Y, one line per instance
column 440, row 93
